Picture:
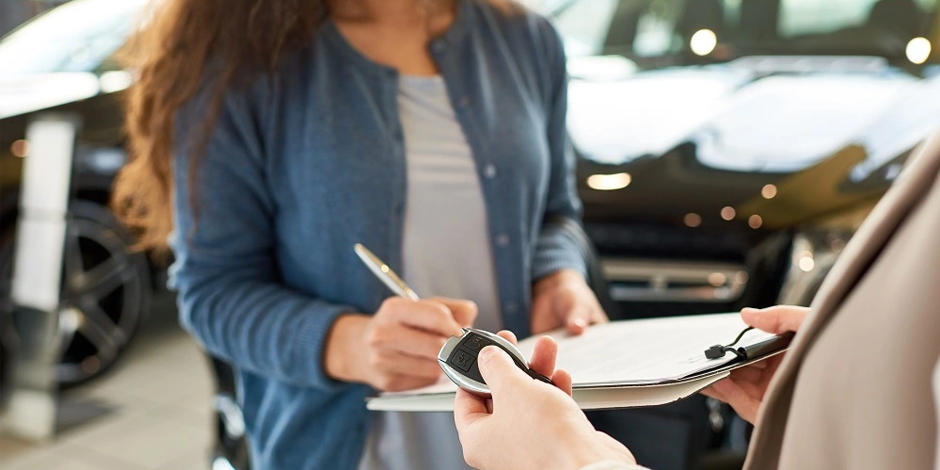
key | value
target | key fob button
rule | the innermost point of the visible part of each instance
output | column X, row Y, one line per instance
column 476, row 343
column 463, row 360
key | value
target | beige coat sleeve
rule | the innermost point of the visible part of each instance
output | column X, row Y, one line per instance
column 936, row 398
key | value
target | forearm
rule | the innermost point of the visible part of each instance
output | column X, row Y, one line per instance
column 259, row 326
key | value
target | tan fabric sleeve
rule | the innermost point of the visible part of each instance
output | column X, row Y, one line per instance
column 936, row 398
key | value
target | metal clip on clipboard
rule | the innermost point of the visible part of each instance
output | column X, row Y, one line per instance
column 752, row 351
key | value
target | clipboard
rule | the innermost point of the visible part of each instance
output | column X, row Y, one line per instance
column 628, row 364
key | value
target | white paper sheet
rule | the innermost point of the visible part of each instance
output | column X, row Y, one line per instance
column 648, row 351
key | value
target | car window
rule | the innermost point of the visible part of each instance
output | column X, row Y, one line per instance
column 804, row 17
column 720, row 30
column 76, row 37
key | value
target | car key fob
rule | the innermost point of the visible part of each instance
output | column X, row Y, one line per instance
column 458, row 358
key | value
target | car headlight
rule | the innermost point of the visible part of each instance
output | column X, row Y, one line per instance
column 812, row 256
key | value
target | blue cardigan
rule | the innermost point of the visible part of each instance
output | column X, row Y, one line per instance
column 304, row 164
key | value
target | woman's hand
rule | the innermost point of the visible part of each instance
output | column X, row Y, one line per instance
column 396, row 349
column 528, row 424
column 744, row 390
column 563, row 299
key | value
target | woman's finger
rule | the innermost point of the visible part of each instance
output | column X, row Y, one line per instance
column 598, row 315
column 543, row 356
column 464, row 311
column 400, row 383
column 412, row 342
column 578, row 319
column 428, row 315
column 408, row 366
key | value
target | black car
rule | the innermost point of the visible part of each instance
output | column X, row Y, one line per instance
column 727, row 149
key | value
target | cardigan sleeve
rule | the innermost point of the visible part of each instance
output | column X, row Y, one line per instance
column 230, row 297
column 555, row 249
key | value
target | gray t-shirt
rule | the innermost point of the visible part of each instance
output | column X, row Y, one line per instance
column 446, row 252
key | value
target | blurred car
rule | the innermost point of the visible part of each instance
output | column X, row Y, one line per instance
column 62, row 62
column 727, row 150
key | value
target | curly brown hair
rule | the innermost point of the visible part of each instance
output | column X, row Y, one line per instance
column 170, row 57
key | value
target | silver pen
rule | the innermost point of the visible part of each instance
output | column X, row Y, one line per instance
column 384, row 273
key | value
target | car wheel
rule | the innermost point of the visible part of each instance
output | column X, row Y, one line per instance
column 106, row 291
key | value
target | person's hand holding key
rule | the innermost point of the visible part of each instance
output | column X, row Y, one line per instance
column 397, row 348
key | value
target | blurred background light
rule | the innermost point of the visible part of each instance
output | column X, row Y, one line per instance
column 20, row 148
column 768, row 191
column 703, row 42
column 728, row 213
column 692, row 219
column 807, row 264
column 717, row 279
column 609, row 182
column 755, row 221
column 918, row 50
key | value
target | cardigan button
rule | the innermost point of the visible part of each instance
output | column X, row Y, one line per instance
column 489, row 171
column 502, row 240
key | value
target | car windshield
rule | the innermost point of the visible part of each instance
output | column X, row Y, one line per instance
column 672, row 32
column 76, row 37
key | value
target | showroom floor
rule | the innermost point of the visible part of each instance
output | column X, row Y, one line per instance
column 153, row 412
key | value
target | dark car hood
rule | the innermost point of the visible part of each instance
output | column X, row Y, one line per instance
column 698, row 139
column 741, row 121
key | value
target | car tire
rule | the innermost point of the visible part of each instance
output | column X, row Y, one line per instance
column 106, row 293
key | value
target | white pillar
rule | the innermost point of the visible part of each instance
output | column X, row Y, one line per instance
column 37, row 266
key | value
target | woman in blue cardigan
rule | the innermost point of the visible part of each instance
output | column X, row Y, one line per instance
column 282, row 132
